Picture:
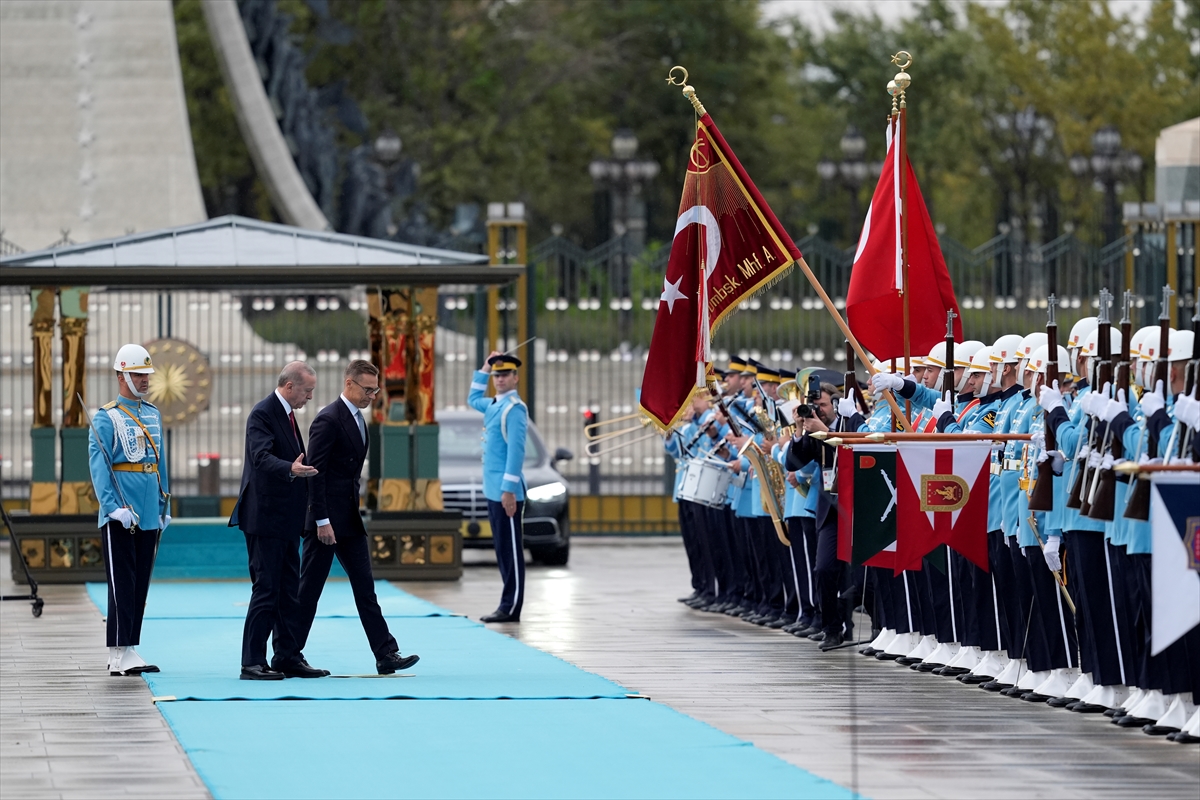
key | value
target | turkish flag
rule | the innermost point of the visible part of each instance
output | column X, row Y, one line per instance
column 942, row 498
column 875, row 302
column 727, row 246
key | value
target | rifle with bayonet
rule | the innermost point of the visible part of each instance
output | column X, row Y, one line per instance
column 1105, row 491
column 1041, row 497
column 1104, row 373
column 1138, row 505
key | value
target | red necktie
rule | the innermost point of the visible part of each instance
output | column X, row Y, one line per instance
column 295, row 430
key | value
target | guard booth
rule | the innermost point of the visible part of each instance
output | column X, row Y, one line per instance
column 221, row 306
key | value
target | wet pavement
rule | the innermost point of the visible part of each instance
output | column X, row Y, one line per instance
column 67, row 729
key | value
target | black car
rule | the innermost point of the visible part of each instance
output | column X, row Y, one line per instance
column 460, row 455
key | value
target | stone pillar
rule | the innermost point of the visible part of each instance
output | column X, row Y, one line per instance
column 77, row 495
column 43, row 493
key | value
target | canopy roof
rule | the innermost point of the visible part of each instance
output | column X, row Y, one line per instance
column 237, row 251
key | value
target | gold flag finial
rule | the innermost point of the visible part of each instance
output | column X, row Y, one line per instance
column 688, row 91
column 903, row 80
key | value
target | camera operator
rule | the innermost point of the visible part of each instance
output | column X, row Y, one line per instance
column 823, row 412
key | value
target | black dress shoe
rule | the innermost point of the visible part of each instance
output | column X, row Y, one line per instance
column 908, row 661
column 1034, row 697
column 736, row 611
column 868, row 651
column 884, row 655
column 818, row 636
column 1088, row 708
column 1159, row 730
column 926, row 666
column 140, row 670
column 1115, row 712
column 394, row 662
column 691, row 598
column 831, row 641
column 1062, row 702
column 500, row 616
column 951, row 672
column 994, row 686
column 777, row 623
column 299, row 668
column 1183, row 737
column 260, row 672
column 1133, row 722
column 973, row 679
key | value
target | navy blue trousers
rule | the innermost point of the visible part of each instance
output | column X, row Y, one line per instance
column 274, row 600
column 353, row 552
column 509, row 542
column 128, row 560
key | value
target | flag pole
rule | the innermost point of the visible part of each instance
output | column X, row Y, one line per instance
column 898, row 85
column 690, row 93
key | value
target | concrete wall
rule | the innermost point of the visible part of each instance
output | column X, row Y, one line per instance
column 94, row 133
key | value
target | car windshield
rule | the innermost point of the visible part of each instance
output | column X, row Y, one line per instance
column 462, row 440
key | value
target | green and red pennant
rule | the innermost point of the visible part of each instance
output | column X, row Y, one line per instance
column 867, row 505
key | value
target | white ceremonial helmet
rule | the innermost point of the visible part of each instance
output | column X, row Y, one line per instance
column 1137, row 352
column 1080, row 330
column 963, row 353
column 1182, row 345
column 1007, row 350
column 1039, row 359
column 1150, row 345
column 981, row 361
column 1091, row 343
column 133, row 359
column 1030, row 343
column 937, row 356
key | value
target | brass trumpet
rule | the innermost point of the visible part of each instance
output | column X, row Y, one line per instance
column 593, row 437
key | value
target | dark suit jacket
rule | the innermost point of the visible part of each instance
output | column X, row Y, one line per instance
column 809, row 449
column 270, row 503
column 337, row 450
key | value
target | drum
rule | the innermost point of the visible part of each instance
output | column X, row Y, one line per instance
column 705, row 482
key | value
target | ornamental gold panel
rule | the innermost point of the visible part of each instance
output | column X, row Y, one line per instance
column 181, row 385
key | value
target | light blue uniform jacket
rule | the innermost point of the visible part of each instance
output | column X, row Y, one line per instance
column 505, row 419
column 140, row 489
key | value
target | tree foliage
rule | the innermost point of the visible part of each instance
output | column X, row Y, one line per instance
column 500, row 100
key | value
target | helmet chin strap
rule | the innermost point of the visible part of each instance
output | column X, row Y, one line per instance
column 962, row 382
column 129, row 382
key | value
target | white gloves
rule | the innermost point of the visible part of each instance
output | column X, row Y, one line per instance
column 1113, row 406
column 882, row 381
column 942, row 406
column 1038, row 440
column 1153, row 402
column 1187, row 411
column 123, row 516
column 163, row 522
column 846, row 407
column 1051, row 398
column 1050, row 551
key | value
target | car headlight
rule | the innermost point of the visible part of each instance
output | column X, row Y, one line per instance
column 549, row 491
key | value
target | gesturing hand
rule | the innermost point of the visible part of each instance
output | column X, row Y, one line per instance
column 302, row 470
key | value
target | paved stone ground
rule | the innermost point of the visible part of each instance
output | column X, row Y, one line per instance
column 69, row 730
column 613, row 612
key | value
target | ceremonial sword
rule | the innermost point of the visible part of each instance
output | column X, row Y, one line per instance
column 112, row 474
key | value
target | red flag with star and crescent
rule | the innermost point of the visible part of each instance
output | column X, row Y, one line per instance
column 728, row 245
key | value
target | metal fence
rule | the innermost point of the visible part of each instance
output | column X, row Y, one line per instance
column 593, row 311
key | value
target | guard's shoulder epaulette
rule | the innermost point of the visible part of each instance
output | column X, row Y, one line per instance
column 109, row 406
column 148, row 403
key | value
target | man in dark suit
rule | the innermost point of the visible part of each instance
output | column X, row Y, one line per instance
column 837, row 587
column 270, row 512
column 337, row 449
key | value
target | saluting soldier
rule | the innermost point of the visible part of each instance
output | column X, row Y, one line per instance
column 125, row 456
column 505, row 419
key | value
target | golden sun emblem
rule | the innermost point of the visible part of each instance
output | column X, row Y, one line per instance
column 181, row 384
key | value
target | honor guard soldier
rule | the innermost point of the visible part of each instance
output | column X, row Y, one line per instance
column 505, row 418
column 125, row 457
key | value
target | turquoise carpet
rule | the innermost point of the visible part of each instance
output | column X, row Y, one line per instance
column 481, row 715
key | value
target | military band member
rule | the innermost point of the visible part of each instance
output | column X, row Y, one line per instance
column 505, row 419
column 125, row 456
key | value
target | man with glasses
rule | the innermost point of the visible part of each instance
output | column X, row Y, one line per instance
column 338, row 442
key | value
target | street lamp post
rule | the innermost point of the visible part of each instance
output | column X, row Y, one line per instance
column 1108, row 165
column 623, row 177
column 852, row 171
